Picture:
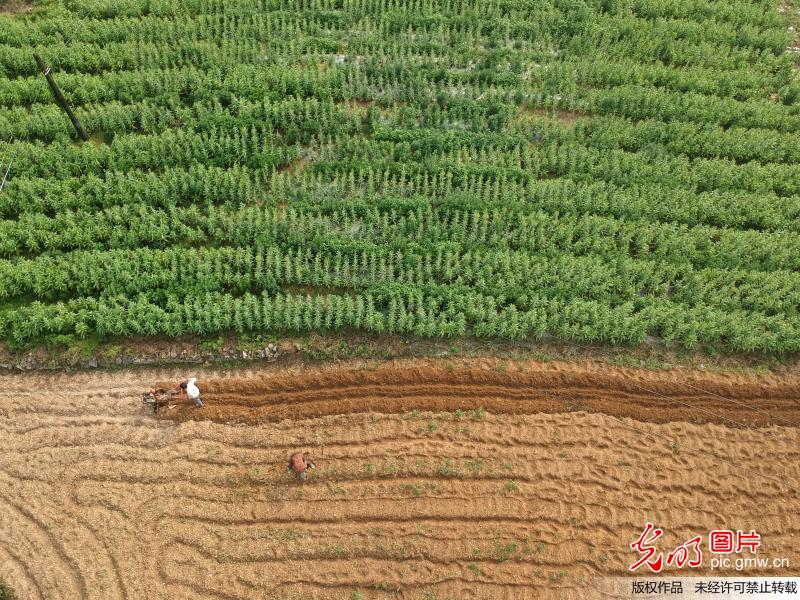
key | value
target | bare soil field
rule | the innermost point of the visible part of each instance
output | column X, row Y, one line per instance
column 418, row 493
column 15, row 6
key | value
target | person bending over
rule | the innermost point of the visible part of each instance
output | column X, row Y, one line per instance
column 190, row 387
column 300, row 463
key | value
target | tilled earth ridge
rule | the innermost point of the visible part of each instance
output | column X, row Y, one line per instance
column 699, row 397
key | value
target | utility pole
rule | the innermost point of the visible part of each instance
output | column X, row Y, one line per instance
column 62, row 102
column 10, row 162
column 5, row 177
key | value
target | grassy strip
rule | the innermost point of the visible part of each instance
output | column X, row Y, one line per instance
column 5, row 593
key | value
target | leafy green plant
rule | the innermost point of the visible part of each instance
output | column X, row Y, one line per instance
column 445, row 469
column 475, row 465
column 5, row 592
column 429, row 429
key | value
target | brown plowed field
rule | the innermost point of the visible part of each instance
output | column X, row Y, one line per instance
column 539, row 497
column 698, row 397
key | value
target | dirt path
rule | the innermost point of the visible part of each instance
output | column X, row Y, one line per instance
column 100, row 500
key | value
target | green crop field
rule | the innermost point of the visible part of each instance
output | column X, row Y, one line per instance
column 590, row 170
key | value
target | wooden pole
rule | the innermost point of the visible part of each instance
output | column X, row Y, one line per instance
column 5, row 177
column 3, row 161
column 62, row 102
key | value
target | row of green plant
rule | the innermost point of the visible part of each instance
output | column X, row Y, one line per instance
column 737, row 23
column 151, row 116
column 681, row 138
column 420, row 150
column 428, row 149
column 179, row 186
column 414, row 83
column 736, row 12
column 170, row 187
column 401, row 224
column 645, row 201
column 96, row 59
column 509, row 276
column 401, row 309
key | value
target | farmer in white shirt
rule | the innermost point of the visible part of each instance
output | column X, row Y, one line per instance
column 192, row 391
